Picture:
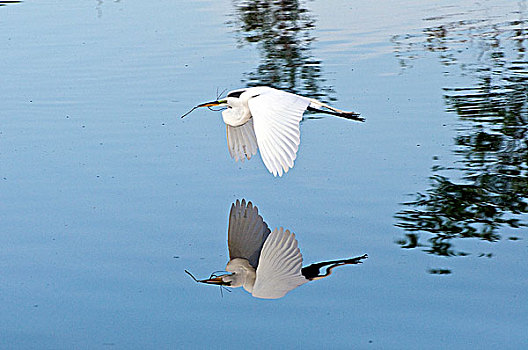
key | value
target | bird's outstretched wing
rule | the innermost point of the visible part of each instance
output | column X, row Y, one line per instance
column 279, row 267
column 246, row 233
column 277, row 115
column 241, row 141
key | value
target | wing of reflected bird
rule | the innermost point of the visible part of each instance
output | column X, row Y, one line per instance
column 246, row 233
column 279, row 266
column 277, row 115
column 241, row 141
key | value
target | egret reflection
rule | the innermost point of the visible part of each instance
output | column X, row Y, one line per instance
column 267, row 264
column 268, row 119
column 486, row 190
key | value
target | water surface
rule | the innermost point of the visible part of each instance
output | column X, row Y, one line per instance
column 107, row 196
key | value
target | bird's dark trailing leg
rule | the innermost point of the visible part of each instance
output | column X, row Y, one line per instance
column 312, row 272
column 347, row 115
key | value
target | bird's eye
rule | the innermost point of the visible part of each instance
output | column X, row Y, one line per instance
column 235, row 94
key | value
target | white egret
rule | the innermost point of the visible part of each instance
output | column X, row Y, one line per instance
column 268, row 119
column 266, row 264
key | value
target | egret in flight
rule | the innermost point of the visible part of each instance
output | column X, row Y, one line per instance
column 268, row 119
column 266, row 264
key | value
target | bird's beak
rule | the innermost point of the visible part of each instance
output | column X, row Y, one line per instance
column 212, row 103
column 216, row 280
column 208, row 104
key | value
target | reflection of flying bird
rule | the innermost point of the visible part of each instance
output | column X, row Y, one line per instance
column 269, row 119
column 267, row 264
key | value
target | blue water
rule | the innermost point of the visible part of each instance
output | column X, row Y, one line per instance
column 107, row 196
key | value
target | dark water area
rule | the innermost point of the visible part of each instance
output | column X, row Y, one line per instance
column 108, row 197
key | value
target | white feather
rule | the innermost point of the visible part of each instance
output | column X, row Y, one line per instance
column 276, row 115
column 279, row 266
column 241, row 141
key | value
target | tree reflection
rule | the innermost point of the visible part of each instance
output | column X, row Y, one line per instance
column 282, row 32
column 487, row 189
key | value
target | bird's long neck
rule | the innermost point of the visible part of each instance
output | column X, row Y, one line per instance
column 237, row 112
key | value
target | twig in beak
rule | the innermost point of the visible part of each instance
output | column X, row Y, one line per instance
column 219, row 95
column 190, row 274
column 189, row 111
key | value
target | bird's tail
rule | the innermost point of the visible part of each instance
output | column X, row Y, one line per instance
column 320, row 107
column 342, row 114
column 313, row 271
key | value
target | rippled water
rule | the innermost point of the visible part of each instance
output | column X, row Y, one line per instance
column 107, row 196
